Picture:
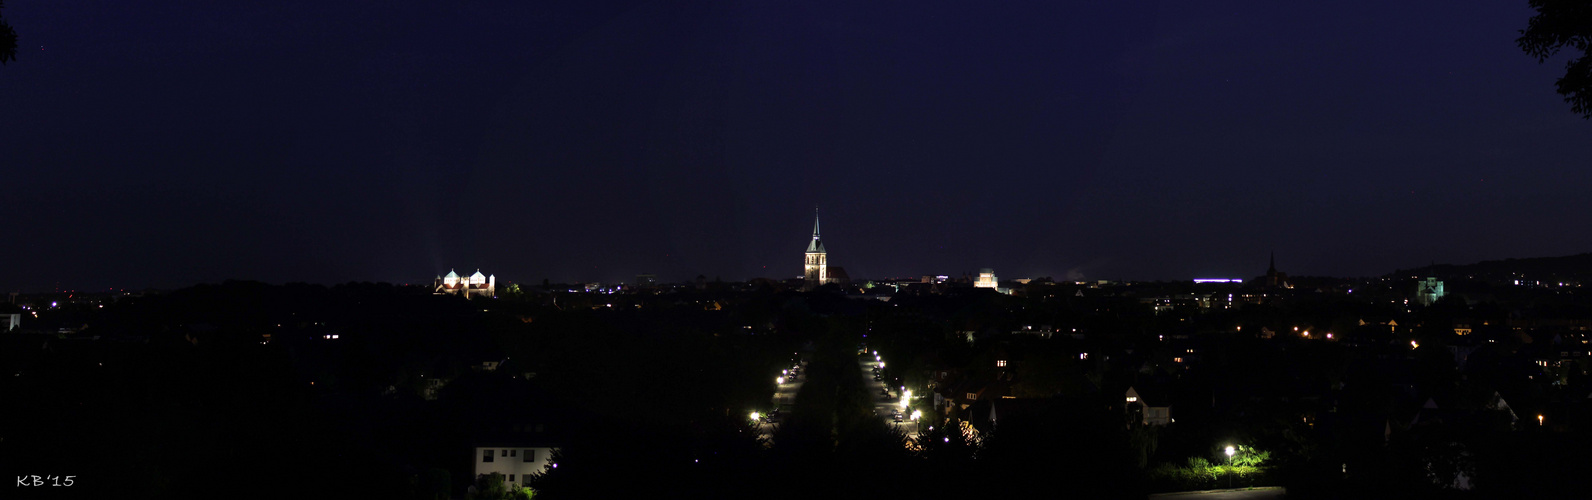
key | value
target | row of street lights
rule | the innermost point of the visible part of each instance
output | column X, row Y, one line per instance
column 906, row 394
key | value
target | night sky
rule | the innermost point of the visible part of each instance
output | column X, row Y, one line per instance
column 165, row 144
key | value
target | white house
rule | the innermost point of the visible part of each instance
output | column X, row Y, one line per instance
column 515, row 463
column 1140, row 410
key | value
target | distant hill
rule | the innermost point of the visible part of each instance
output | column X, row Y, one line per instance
column 1571, row 268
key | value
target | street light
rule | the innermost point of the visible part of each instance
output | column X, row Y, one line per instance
column 1539, row 419
column 881, row 365
column 755, row 416
column 779, row 380
column 1230, row 451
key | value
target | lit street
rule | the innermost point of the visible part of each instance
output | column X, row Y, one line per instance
column 1250, row 494
column 884, row 405
column 784, row 396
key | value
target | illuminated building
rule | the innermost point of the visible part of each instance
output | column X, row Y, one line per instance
column 1428, row 291
column 477, row 285
column 1140, row 412
column 518, row 463
column 816, row 266
column 986, row 278
column 10, row 321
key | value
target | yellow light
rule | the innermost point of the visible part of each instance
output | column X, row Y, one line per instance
column 1539, row 419
column 755, row 415
column 1414, row 344
column 779, row 380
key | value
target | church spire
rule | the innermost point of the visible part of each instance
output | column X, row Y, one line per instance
column 817, row 245
column 815, row 223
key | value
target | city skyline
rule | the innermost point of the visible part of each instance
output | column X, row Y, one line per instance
column 505, row 250
column 163, row 147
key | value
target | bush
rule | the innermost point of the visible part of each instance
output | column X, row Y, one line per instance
column 1201, row 475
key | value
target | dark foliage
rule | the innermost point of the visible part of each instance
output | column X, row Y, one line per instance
column 1558, row 25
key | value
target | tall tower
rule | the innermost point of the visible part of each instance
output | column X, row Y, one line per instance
column 817, row 263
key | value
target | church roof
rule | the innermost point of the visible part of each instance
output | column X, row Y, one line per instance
column 817, row 246
column 478, row 275
column 451, row 274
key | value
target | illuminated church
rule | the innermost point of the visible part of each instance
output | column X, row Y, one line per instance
column 816, row 266
column 476, row 285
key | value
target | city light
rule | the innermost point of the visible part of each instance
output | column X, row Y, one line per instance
column 917, row 414
column 756, row 415
column 1230, row 451
column 779, row 380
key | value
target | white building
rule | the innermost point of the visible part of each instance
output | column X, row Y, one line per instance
column 515, row 463
column 986, row 278
column 1141, row 412
column 476, row 285
column 10, row 321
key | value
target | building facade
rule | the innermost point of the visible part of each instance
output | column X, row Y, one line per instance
column 1429, row 291
column 986, row 279
column 1141, row 413
column 516, row 463
column 816, row 265
column 477, row 285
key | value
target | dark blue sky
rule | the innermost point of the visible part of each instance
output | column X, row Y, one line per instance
column 172, row 143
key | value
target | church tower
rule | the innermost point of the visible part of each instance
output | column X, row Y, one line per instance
column 817, row 263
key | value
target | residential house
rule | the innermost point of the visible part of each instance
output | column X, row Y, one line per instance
column 516, row 461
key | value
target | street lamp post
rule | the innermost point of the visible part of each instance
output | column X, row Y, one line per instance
column 1230, row 451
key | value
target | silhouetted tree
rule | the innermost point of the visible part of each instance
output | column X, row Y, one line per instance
column 8, row 39
column 1559, row 24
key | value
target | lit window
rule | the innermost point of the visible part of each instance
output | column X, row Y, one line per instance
column 1132, row 399
column 1000, row 362
column 486, row 456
